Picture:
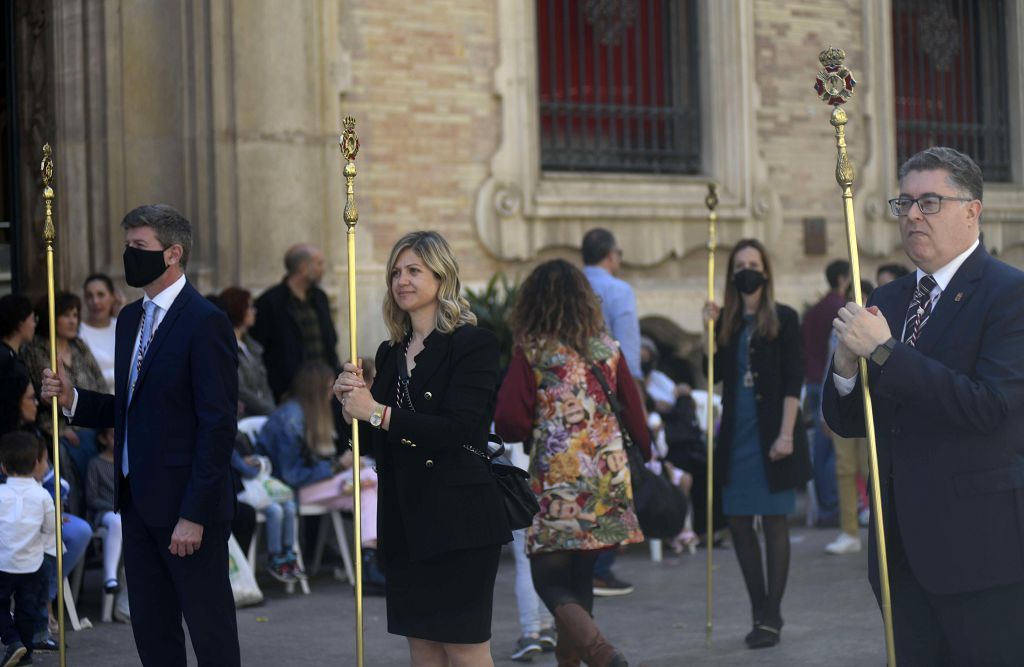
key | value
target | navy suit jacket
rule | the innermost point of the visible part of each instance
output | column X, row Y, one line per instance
column 182, row 418
column 949, row 424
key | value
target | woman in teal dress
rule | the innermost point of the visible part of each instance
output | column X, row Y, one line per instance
column 762, row 448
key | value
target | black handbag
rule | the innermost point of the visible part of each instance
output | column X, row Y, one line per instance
column 520, row 503
column 660, row 505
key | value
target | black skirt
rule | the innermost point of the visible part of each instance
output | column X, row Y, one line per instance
column 447, row 598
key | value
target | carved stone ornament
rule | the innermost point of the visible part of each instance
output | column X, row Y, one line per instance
column 610, row 19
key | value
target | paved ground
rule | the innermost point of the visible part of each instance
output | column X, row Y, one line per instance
column 831, row 618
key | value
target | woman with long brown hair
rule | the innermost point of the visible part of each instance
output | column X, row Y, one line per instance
column 763, row 455
column 553, row 399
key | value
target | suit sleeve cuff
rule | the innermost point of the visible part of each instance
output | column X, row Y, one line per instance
column 70, row 412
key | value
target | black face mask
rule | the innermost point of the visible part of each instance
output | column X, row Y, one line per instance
column 646, row 367
column 749, row 281
column 141, row 267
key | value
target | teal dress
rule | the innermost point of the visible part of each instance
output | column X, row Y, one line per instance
column 747, row 493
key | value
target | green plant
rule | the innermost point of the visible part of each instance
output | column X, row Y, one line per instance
column 492, row 306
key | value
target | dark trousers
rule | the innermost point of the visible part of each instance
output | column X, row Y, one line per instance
column 26, row 589
column 163, row 587
column 974, row 628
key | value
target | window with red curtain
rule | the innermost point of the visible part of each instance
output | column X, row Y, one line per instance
column 618, row 86
column 951, row 80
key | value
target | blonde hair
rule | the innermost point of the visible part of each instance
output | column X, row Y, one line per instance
column 452, row 308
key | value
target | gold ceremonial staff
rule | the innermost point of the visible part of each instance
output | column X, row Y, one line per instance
column 49, row 235
column 711, row 201
column 349, row 143
column 835, row 86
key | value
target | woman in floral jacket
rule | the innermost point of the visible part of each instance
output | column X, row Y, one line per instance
column 579, row 469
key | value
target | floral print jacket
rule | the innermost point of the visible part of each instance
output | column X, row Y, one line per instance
column 579, row 468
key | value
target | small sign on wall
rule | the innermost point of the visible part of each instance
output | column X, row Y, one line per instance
column 815, row 238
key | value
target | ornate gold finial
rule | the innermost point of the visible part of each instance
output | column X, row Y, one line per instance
column 832, row 57
column 49, row 232
column 711, row 200
column 349, row 143
column 835, row 82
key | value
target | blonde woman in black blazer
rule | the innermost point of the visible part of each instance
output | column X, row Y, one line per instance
column 441, row 518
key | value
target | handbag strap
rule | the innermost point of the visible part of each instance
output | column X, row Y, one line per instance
column 613, row 401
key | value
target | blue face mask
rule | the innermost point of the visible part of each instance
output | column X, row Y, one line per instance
column 142, row 267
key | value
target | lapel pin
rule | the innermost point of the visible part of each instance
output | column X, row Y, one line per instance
column 959, row 295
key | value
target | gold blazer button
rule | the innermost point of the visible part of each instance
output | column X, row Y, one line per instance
column 429, row 463
column 427, row 395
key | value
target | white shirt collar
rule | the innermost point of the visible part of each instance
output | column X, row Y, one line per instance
column 165, row 298
column 946, row 273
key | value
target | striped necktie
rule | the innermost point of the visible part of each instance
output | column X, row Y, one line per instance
column 920, row 309
column 148, row 322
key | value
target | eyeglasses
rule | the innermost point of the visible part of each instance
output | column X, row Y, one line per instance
column 928, row 204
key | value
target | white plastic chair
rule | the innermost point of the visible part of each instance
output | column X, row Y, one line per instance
column 336, row 522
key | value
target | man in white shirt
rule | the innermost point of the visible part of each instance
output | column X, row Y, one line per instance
column 945, row 350
column 26, row 528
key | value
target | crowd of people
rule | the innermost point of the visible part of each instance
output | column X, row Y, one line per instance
column 585, row 399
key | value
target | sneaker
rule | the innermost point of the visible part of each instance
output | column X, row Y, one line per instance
column 526, row 648
column 13, row 653
column 548, row 639
column 611, row 587
column 844, row 544
column 279, row 569
column 292, row 561
column 45, row 644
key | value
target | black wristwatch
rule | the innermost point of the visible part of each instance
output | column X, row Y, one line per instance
column 880, row 355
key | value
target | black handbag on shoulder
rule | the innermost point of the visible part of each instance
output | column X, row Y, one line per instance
column 660, row 505
column 520, row 503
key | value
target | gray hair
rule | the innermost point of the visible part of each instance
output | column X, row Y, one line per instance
column 964, row 173
column 170, row 226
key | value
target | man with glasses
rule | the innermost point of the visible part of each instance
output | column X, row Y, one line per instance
column 945, row 346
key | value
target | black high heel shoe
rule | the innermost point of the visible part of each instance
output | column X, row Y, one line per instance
column 764, row 635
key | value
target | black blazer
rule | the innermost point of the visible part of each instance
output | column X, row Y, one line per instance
column 778, row 369
column 949, row 427
column 182, row 418
column 434, row 495
column 281, row 336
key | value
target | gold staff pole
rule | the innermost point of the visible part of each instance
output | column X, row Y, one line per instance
column 835, row 86
column 49, row 236
column 709, row 535
column 349, row 143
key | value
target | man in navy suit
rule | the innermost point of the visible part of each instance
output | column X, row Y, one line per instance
column 174, row 420
column 945, row 346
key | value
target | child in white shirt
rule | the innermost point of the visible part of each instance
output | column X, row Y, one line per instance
column 26, row 527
